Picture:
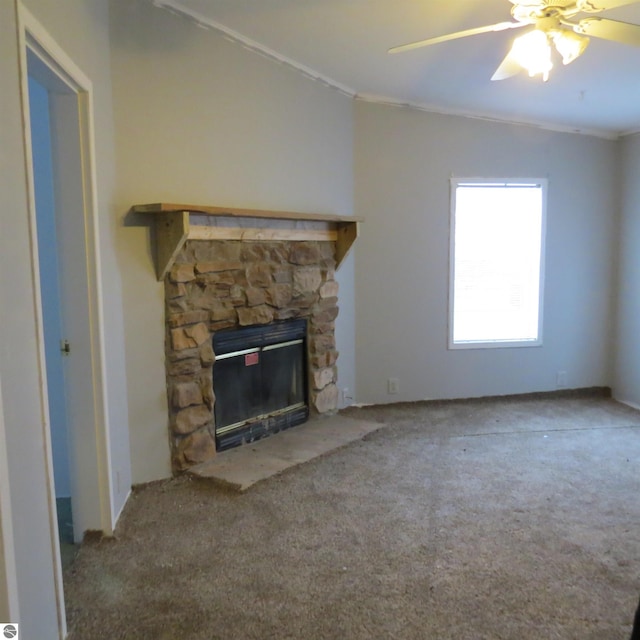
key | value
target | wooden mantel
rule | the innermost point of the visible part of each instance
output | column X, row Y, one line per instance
column 177, row 223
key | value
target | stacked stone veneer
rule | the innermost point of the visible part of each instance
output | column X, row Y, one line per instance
column 217, row 285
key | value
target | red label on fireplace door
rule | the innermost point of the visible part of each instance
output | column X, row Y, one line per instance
column 251, row 358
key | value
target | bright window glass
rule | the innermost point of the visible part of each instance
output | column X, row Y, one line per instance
column 497, row 250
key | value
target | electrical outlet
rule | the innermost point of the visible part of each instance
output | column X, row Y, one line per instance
column 561, row 379
column 393, row 385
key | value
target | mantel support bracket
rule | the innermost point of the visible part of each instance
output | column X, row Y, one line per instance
column 172, row 231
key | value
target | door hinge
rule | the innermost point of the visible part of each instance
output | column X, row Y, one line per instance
column 65, row 347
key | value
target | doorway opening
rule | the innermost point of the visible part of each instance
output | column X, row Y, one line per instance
column 54, row 335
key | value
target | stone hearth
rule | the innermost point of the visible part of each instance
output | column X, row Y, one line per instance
column 221, row 284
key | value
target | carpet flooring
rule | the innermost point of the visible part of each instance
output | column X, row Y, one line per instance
column 514, row 518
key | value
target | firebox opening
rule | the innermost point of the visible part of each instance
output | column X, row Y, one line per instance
column 260, row 381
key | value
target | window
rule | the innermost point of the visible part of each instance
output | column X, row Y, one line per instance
column 496, row 263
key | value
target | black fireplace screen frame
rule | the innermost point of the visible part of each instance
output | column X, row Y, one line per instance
column 260, row 381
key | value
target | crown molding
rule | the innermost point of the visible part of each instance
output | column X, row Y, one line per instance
column 487, row 117
column 207, row 23
column 630, row 134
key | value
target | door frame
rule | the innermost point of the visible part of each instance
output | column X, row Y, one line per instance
column 92, row 487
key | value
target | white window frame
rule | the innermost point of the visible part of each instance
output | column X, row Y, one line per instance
column 505, row 182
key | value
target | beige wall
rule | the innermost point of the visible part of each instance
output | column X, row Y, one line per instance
column 404, row 159
column 627, row 361
column 200, row 119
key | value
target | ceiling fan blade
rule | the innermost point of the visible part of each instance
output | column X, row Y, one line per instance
column 595, row 6
column 610, row 30
column 500, row 26
column 508, row 67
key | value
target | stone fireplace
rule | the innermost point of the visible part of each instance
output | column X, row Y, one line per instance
column 229, row 275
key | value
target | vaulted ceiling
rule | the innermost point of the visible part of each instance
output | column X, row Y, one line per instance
column 345, row 43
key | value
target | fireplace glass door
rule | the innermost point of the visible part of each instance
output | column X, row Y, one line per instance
column 259, row 379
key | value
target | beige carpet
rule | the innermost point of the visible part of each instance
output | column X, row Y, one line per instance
column 504, row 519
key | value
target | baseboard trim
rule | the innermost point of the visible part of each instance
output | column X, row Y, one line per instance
column 628, row 403
column 582, row 392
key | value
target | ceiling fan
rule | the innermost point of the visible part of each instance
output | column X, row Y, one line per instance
column 553, row 22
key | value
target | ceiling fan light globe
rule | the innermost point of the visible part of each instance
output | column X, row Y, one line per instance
column 533, row 53
column 570, row 45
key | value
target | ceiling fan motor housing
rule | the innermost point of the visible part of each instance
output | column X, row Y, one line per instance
column 533, row 12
